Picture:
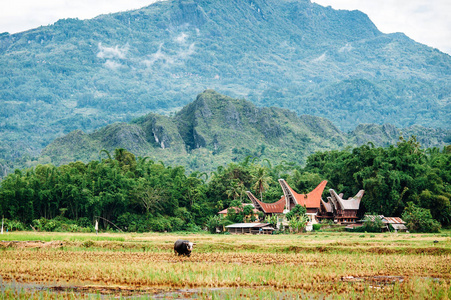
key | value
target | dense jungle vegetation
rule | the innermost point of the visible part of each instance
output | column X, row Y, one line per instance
column 84, row 74
column 138, row 194
column 214, row 130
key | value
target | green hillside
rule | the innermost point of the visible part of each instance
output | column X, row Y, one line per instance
column 85, row 74
column 215, row 129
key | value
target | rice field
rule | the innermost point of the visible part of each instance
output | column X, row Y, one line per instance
column 324, row 265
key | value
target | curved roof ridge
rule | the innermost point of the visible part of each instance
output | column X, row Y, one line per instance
column 319, row 188
column 276, row 207
column 317, row 192
column 327, row 206
column 312, row 199
column 254, row 200
column 358, row 196
column 351, row 203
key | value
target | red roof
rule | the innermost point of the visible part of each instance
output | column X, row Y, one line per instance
column 393, row 220
column 310, row 200
column 389, row 220
column 276, row 207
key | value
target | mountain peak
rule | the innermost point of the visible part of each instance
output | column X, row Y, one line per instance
column 84, row 74
column 215, row 128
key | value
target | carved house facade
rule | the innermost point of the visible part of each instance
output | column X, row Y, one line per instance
column 336, row 208
column 340, row 210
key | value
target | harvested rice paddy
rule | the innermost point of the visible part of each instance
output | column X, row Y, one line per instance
column 320, row 265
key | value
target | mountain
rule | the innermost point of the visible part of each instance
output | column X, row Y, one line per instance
column 215, row 129
column 314, row 60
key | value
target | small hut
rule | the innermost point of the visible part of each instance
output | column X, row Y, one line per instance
column 250, row 228
column 396, row 223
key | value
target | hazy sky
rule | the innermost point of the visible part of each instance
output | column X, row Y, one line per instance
column 425, row 21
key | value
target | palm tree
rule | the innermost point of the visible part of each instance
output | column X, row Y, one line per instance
column 262, row 180
column 107, row 153
column 235, row 190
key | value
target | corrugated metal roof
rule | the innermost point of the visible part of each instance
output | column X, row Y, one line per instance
column 373, row 217
column 393, row 220
column 352, row 226
column 268, row 228
column 387, row 220
column 247, row 225
column 399, row 226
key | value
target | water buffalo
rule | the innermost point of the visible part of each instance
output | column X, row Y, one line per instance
column 183, row 247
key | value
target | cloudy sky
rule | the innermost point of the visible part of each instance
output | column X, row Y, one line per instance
column 425, row 21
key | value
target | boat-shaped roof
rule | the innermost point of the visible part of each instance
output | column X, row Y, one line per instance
column 310, row 200
column 276, row 207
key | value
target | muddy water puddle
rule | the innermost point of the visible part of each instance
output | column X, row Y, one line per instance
column 120, row 292
column 378, row 280
column 112, row 292
column 100, row 291
column 95, row 291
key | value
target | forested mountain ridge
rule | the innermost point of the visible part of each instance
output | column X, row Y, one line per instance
column 215, row 129
column 85, row 74
column 212, row 130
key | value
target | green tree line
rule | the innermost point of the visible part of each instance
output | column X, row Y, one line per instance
column 138, row 194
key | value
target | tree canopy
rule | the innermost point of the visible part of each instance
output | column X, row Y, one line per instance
column 138, row 194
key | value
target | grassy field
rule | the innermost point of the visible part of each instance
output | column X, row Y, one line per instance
column 328, row 265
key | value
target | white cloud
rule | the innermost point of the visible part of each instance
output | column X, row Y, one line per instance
column 181, row 38
column 346, row 48
column 184, row 54
column 158, row 56
column 112, row 65
column 112, row 52
column 167, row 59
column 321, row 58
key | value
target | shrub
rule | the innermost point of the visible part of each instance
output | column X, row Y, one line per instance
column 297, row 211
column 134, row 222
column 370, row 225
column 160, row 224
column 419, row 219
column 88, row 244
column 59, row 223
column 73, row 228
column 50, row 225
column 316, row 227
column 225, row 222
column 163, row 224
column 213, row 222
column 11, row 225
column 192, row 227
column 84, row 222
column 176, row 224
